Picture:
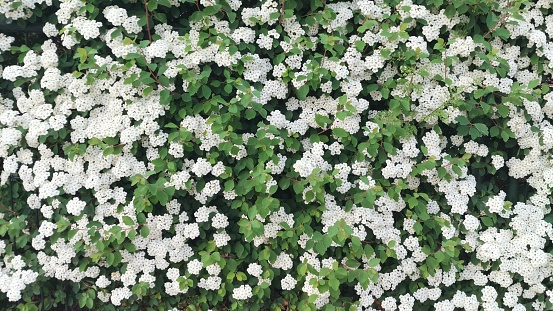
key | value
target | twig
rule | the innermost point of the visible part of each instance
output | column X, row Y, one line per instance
column 148, row 21
column 154, row 75
column 377, row 304
column 326, row 129
column 7, row 209
column 500, row 20
column 281, row 11
column 289, row 178
column 445, row 69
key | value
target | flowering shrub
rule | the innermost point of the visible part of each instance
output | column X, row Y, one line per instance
column 276, row 155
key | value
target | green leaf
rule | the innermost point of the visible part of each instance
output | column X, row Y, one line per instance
column 82, row 54
column 462, row 120
column 71, row 234
column 109, row 258
column 284, row 183
column 503, row 110
column 216, row 256
column 100, row 245
column 210, row 10
column 457, row 170
column 533, row 84
column 302, row 92
column 494, row 131
column 487, row 221
column 360, row 45
column 131, row 235
column 340, row 132
column 130, row 247
column 341, row 115
column 148, row 91
column 117, row 258
column 108, row 151
column 479, row 93
column 231, row 16
column 229, row 185
column 450, row 11
column 206, row 91
column 163, row 197
column 482, row 128
column 502, row 33
column 505, row 136
column 491, row 20
column 128, row 221
column 250, row 113
column 474, row 133
column 309, row 196
column 165, row 3
column 165, row 97
column 144, row 231
column 152, row 5
column 374, row 262
column 322, row 120
column 413, row 202
column 352, row 263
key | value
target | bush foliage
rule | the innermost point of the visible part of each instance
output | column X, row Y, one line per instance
column 276, row 155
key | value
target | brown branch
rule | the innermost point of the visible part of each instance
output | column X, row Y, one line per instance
column 445, row 69
column 7, row 209
column 501, row 19
column 378, row 304
column 281, row 11
column 323, row 60
column 227, row 255
column 154, row 75
column 326, row 129
column 498, row 126
column 289, row 178
column 148, row 21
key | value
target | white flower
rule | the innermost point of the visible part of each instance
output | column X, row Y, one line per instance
column 195, row 266
column 242, row 293
column 75, row 206
column 288, row 283
column 497, row 161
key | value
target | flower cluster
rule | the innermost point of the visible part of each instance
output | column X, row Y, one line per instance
column 351, row 155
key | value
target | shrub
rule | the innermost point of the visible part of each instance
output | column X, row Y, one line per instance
column 276, row 155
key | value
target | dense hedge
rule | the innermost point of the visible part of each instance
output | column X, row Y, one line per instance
column 276, row 155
